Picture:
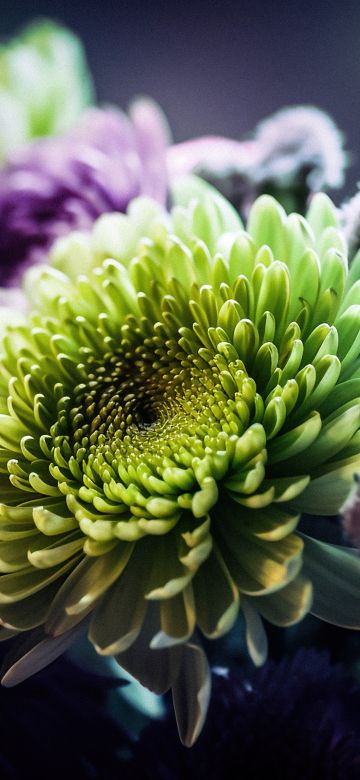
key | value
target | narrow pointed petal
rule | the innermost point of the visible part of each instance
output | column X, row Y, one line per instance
column 156, row 669
column 34, row 653
column 191, row 693
column 256, row 639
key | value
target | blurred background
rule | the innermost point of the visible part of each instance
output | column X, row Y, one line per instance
column 218, row 67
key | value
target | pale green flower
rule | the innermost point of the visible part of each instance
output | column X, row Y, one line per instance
column 44, row 84
column 164, row 421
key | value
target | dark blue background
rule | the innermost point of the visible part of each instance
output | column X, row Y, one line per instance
column 218, row 67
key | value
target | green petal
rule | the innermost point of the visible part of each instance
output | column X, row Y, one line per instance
column 270, row 524
column 256, row 639
column 289, row 605
column 30, row 612
column 322, row 214
column 45, row 555
column 156, row 669
column 191, row 693
column 258, row 566
column 177, row 620
column 84, row 586
column 185, row 189
column 52, row 524
column 335, row 576
column 216, row 597
column 13, row 554
column 174, row 566
column 295, row 441
column 119, row 617
column 333, row 437
column 266, row 225
column 33, row 654
column 325, row 495
column 20, row 585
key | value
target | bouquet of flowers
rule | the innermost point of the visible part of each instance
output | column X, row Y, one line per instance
column 179, row 430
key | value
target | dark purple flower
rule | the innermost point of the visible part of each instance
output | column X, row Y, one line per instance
column 296, row 720
column 60, row 184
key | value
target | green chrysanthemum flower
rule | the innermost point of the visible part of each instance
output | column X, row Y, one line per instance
column 165, row 420
column 44, row 84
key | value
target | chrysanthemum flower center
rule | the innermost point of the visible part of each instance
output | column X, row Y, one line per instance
column 146, row 406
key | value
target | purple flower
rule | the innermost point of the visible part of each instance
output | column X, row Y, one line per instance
column 60, row 184
column 293, row 720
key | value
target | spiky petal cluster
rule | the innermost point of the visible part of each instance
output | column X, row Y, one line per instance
column 61, row 184
column 44, row 84
column 164, row 421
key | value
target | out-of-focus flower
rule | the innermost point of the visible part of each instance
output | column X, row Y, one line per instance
column 350, row 219
column 226, row 164
column 62, row 718
column 293, row 720
column 61, row 184
column 301, row 153
column 292, row 154
column 165, row 419
column 351, row 518
column 44, row 84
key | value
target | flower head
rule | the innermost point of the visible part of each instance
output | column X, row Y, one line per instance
column 292, row 154
column 61, row 184
column 165, row 420
column 44, row 84
column 296, row 719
